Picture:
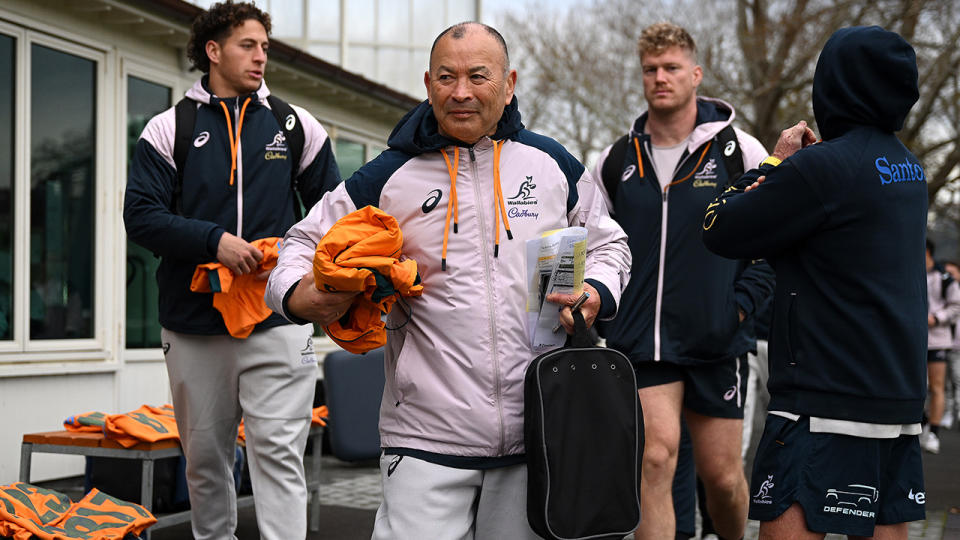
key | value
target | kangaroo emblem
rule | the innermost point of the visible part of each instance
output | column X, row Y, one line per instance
column 764, row 492
column 526, row 188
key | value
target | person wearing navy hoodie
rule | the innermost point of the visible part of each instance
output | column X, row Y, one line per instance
column 843, row 224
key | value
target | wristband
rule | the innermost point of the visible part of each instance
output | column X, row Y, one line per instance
column 772, row 161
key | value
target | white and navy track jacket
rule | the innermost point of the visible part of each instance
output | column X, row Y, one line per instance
column 253, row 201
column 454, row 372
column 682, row 302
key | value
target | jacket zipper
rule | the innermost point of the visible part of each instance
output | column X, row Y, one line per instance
column 236, row 118
column 489, row 280
column 664, row 195
column 792, row 329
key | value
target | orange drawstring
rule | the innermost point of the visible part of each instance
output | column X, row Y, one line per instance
column 695, row 167
column 636, row 144
column 234, row 141
column 452, row 208
column 451, row 202
column 501, row 206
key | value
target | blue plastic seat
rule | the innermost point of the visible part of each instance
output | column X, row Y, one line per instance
column 353, row 386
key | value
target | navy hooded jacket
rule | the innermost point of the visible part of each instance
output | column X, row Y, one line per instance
column 843, row 224
column 258, row 202
column 681, row 304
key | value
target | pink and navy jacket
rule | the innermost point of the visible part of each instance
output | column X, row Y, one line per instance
column 454, row 372
column 254, row 200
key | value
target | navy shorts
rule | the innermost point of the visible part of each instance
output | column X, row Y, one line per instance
column 845, row 484
column 717, row 389
column 937, row 355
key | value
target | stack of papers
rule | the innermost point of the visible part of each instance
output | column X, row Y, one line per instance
column 555, row 264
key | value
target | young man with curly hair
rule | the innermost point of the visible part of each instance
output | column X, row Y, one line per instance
column 234, row 188
column 686, row 316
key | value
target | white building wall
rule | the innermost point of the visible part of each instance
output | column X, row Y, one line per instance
column 44, row 382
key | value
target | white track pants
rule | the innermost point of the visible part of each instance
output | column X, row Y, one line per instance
column 269, row 378
column 423, row 500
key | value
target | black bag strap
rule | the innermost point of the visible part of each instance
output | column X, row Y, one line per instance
column 581, row 337
column 296, row 139
column 185, row 113
column 732, row 155
column 612, row 169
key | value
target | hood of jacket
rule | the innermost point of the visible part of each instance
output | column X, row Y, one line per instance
column 712, row 116
column 866, row 76
column 201, row 93
column 417, row 132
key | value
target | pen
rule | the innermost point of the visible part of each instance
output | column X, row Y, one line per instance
column 576, row 305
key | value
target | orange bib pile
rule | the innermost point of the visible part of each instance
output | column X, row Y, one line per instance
column 147, row 423
column 28, row 512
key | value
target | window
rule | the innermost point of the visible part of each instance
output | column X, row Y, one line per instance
column 7, row 83
column 393, row 22
column 286, row 17
column 62, row 194
column 349, row 156
column 324, row 20
column 360, row 18
column 144, row 100
column 52, row 212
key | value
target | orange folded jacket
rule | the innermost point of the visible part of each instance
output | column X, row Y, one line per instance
column 362, row 253
column 28, row 512
column 239, row 299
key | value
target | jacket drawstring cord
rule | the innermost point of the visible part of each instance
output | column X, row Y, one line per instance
column 451, row 202
column 695, row 167
column 501, row 205
column 636, row 144
column 234, row 141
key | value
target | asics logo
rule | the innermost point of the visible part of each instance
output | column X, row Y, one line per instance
column 728, row 395
column 290, row 122
column 393, row 465
column 201, row 139
column 628, row 172
column 729, row 148
column 433, row 199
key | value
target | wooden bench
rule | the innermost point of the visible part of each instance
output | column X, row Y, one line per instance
column 95, row 444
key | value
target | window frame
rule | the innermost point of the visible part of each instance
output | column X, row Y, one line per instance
column 21, row 348
column 131, row 66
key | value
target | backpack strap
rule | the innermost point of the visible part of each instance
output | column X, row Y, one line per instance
column 732, row 155
column 185, row 113
column 612, row 169
column 296, row 139
column 186, row 118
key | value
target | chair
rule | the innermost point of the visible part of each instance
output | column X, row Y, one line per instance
column 353, row 387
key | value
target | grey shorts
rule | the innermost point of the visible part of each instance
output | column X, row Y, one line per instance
column 845, row 485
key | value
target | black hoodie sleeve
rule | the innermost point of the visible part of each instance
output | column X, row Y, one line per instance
column 761, row 223
column 148, row 215
column 754, row 285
